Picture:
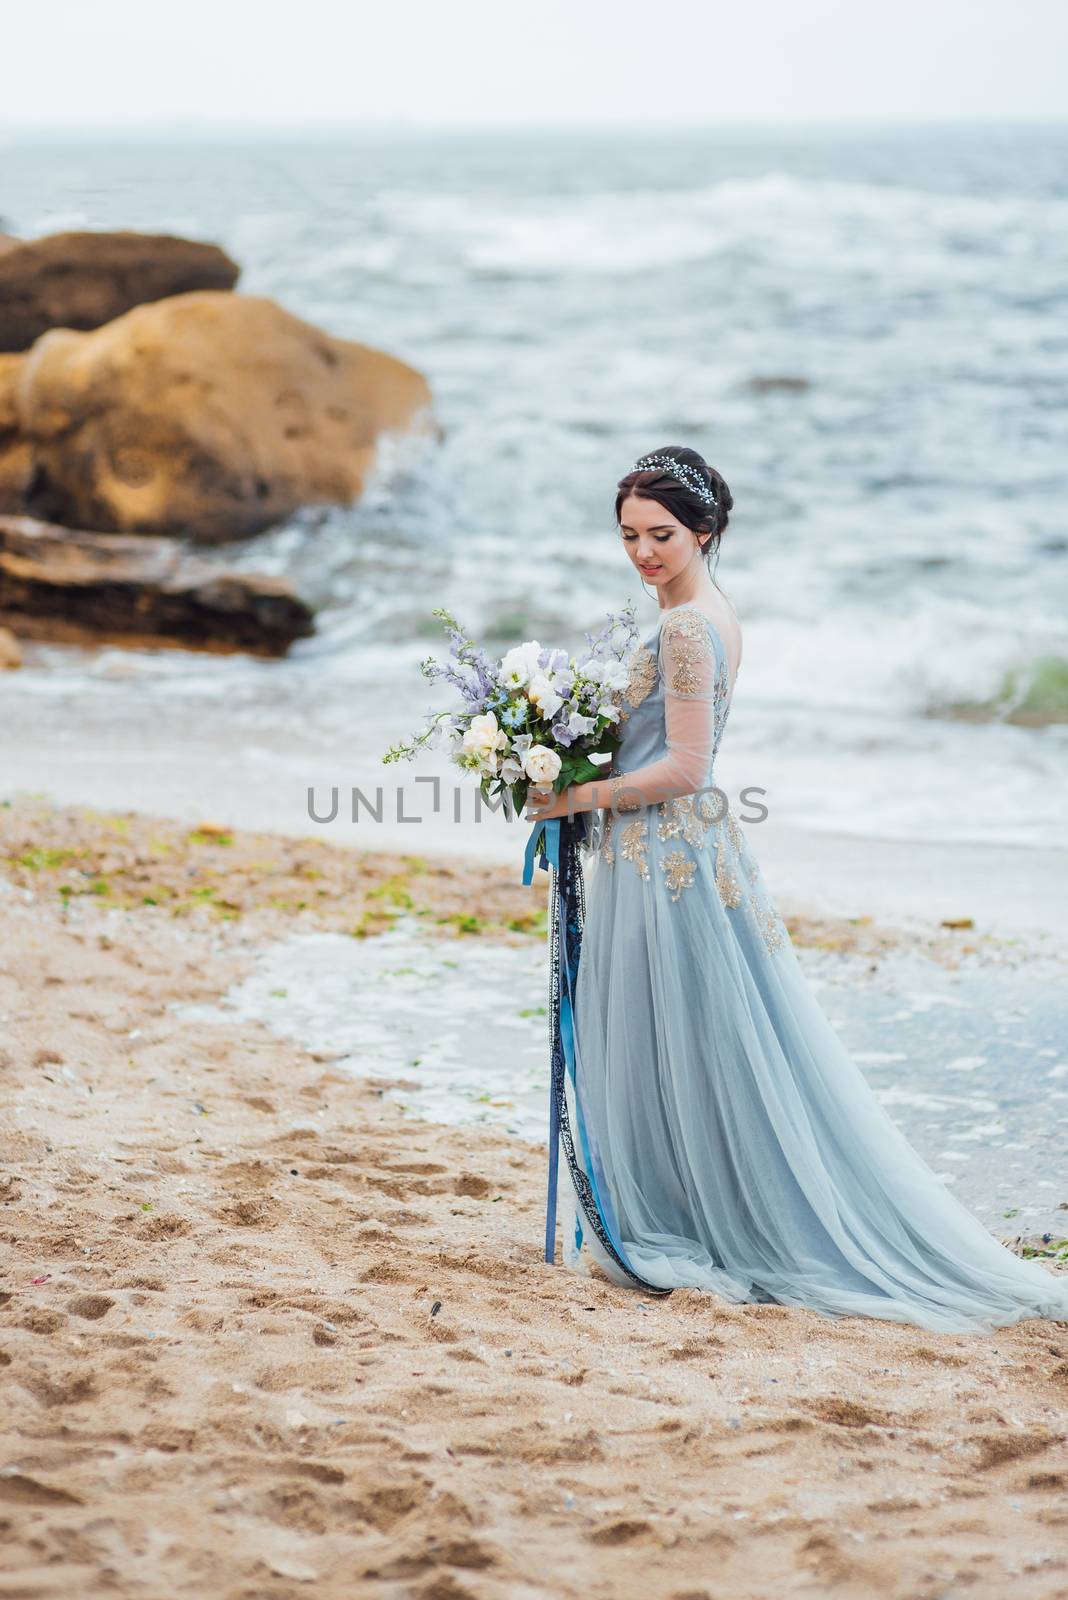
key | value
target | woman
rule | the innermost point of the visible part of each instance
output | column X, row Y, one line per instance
column 717, row 1133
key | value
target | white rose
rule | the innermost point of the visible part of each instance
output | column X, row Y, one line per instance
column 542, row 764
column 484, row 735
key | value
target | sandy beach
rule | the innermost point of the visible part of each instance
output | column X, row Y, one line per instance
column 318, row 391
column 264, row 1334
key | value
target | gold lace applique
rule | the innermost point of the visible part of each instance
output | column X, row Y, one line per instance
column 728, row 843
column 772, row 928
column 733, row 859
column 608, row 854
column 692, row 646
column 683, row 818
column 642, row 675
column 642, row 680
column 769, row 923
column 679, row 869
column 730, row 890
column 633, row 842
column 620, row 800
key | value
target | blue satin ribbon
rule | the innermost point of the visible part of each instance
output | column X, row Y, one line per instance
column 549, row 856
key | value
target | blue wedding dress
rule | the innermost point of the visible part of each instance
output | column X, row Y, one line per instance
column 717, row 1133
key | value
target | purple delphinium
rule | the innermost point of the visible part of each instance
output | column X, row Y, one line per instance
column 473, row 673
column 613, row 640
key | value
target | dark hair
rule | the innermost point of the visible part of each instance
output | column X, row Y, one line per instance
column 684, row 504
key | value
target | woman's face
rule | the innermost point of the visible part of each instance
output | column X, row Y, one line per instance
column 658, row 546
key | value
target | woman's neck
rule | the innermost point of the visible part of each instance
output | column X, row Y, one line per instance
column 685, row 590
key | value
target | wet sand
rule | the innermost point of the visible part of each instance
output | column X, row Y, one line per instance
column 263, row 1335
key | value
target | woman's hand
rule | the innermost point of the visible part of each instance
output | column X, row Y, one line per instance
column 543, row 804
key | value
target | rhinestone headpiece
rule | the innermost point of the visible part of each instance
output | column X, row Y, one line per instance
column 687, row 475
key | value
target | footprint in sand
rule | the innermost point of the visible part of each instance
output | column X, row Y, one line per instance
column 38, row 1319
column 465, row 1553
column 246, row 1211
column 629, row 1530
column 20, row 1489
column 90, row 1306
column 997, row 1448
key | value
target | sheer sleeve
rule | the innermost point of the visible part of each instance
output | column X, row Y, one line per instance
column 688, row 675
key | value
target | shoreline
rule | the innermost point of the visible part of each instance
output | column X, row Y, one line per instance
column 255, row 743
column 259, row 1328
column 1006, row 890
column 131, row 852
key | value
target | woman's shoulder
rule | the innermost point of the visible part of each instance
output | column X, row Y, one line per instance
column 689, row 621
column 721, row 614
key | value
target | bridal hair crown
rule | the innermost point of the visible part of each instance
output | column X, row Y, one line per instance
column 688, row 476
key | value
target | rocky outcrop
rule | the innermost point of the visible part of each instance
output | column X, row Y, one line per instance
column 93, row 588
column 16, row 457
column 82, row 280
column 207, row 415
column 10, row 653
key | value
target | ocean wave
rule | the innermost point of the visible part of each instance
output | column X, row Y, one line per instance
column 831, row 224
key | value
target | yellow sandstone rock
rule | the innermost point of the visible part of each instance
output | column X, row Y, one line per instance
column 209, row 415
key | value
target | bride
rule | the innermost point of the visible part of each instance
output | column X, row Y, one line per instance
column 717, row 1133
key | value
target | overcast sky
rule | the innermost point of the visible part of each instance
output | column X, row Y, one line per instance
column 614, row 62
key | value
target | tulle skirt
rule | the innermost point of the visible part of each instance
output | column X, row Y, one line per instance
column 721, row 1136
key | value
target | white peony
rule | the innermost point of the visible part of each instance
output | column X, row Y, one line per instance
column 542, row 764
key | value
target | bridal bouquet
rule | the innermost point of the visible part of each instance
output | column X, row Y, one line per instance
column 538, row 717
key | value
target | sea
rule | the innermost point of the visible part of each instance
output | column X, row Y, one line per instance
column 865, row 329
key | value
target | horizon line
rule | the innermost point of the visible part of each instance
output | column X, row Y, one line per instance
column 196, row 127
